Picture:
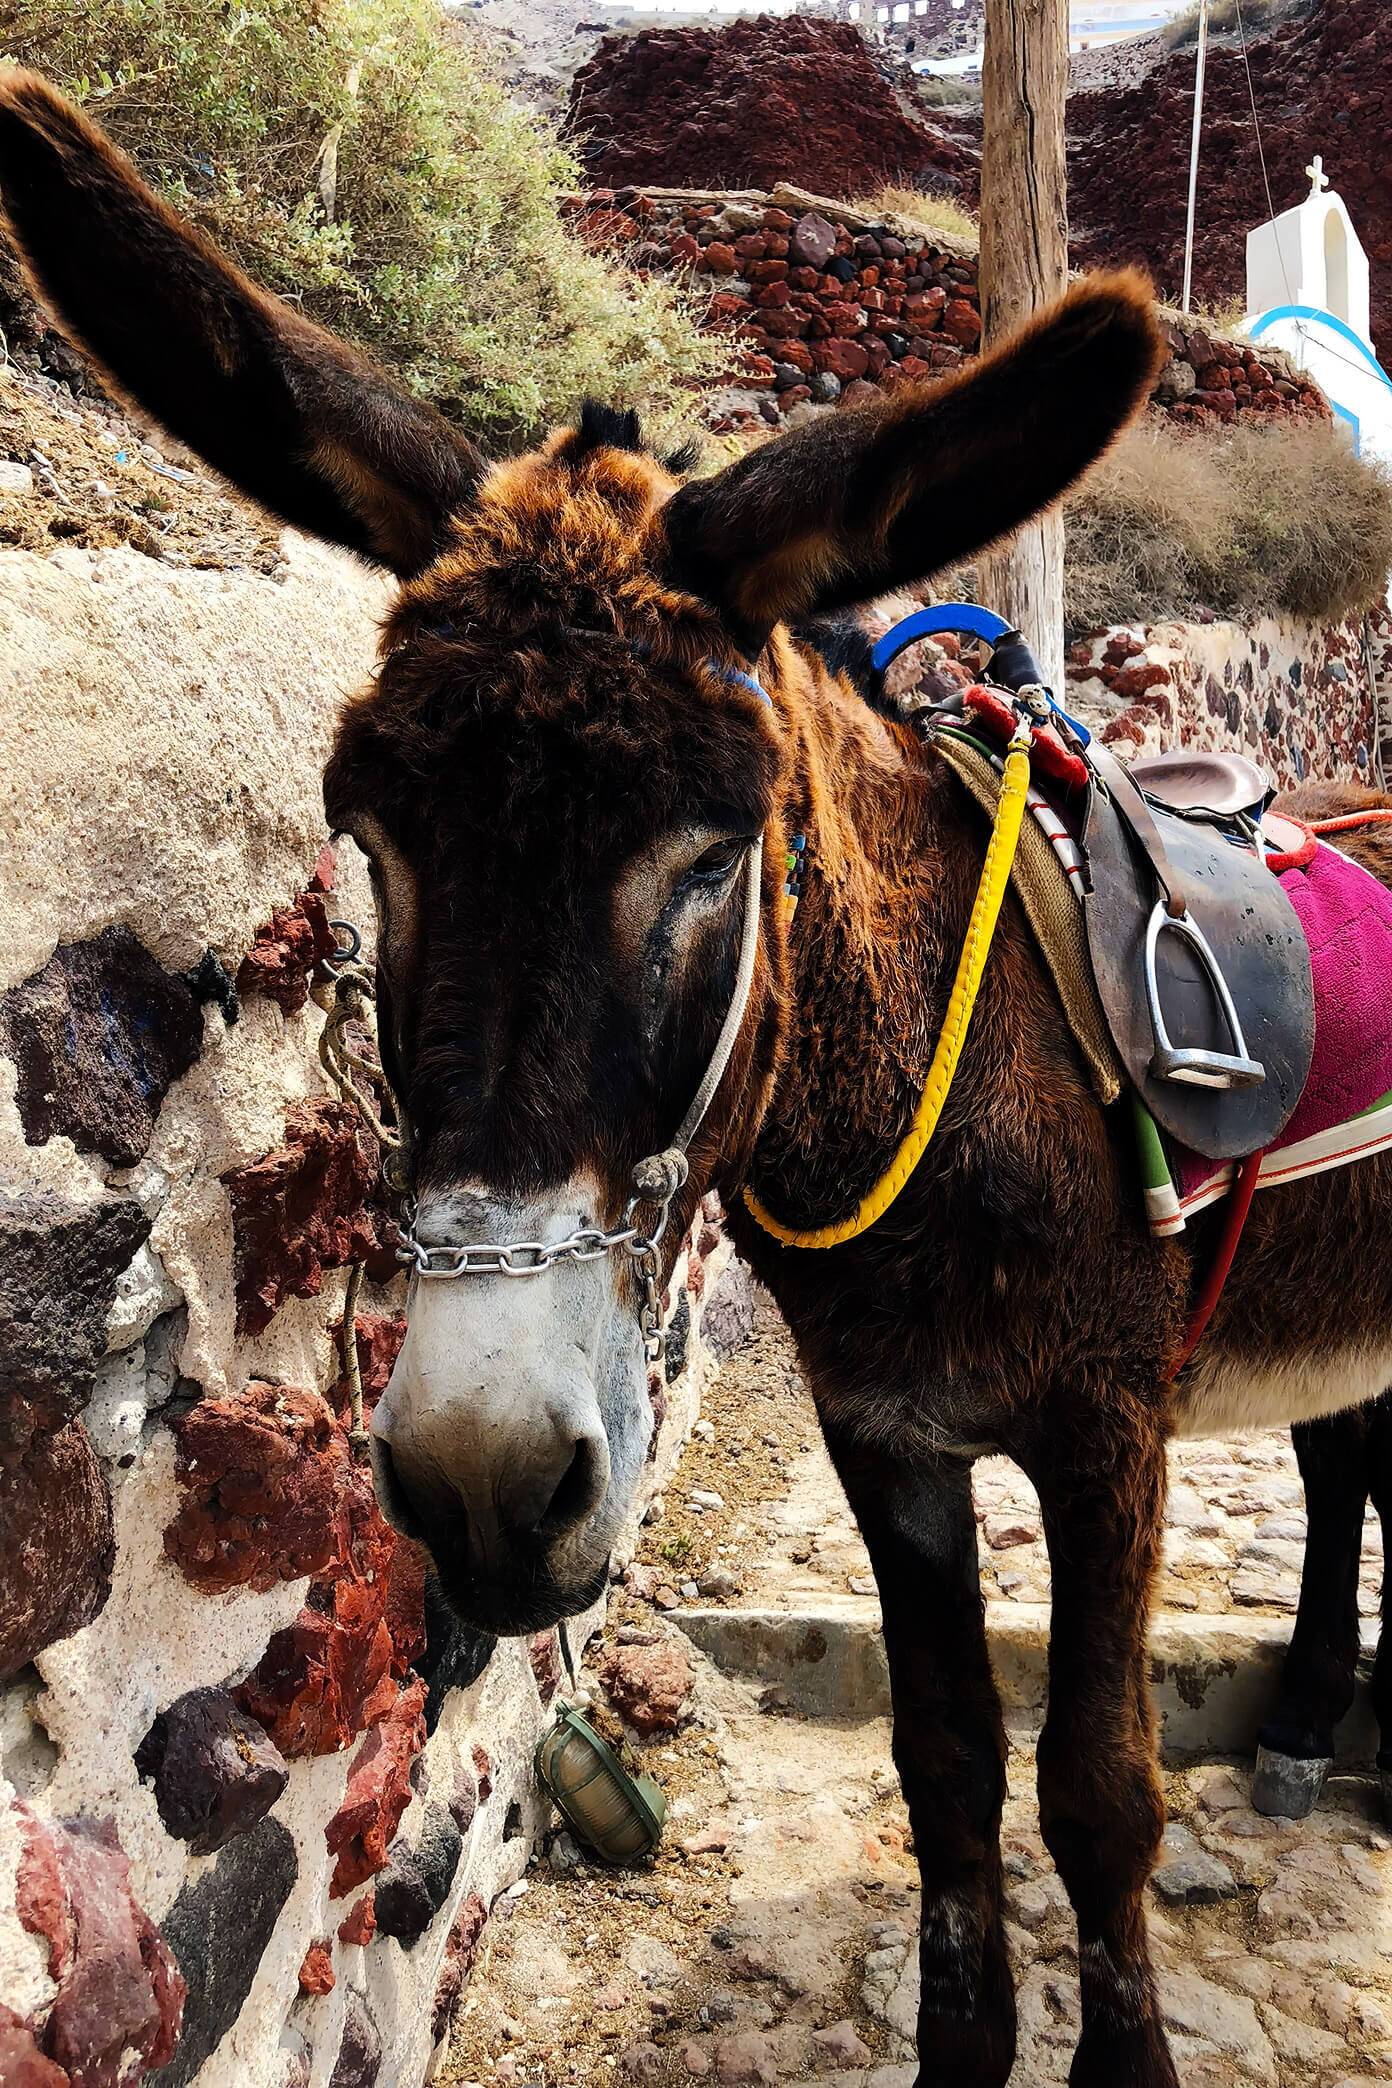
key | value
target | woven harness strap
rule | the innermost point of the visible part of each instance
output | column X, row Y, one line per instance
column 990, row 896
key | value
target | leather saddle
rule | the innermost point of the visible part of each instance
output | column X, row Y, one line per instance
column 1200, row 961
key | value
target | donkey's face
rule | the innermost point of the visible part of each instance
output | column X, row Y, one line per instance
column 556, row 786
column 558, row 816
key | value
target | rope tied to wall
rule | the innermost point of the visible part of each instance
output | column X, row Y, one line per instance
column 352, row 998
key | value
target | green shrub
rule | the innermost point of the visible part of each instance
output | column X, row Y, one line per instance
column 442, row 252
column 1277, row 518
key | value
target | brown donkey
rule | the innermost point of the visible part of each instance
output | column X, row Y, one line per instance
column 560, row 774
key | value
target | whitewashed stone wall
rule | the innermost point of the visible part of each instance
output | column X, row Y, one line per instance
column 178, row 1509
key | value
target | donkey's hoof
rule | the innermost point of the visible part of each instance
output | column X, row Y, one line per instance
column 1287, row 1787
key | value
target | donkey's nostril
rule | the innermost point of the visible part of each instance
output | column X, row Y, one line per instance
column 583, row 1486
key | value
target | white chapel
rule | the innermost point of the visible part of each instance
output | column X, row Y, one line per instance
column 1308, row 293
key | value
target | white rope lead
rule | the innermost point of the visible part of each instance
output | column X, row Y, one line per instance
column 735, row 1013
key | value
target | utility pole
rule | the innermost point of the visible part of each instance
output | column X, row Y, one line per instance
column 1024, row 265
column 1194, row 155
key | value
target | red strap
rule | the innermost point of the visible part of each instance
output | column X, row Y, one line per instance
column 1239, row 1203
column 1280, row 860
column 1349, row 819
column 1047, row 749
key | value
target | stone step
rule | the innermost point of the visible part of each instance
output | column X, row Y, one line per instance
column 1214, row 1677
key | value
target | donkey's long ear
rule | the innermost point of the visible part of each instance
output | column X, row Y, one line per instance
column 857, row 503
column 279, row 407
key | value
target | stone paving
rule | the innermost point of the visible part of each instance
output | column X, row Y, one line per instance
column 773, row 1937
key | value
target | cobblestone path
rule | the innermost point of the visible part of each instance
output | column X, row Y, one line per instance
column 772, row 1939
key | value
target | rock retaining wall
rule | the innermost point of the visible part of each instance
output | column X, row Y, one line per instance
column 830, row 304
column 1301, row 699
column 258, row 1791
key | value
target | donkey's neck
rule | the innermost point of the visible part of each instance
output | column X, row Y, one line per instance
column 891, row 865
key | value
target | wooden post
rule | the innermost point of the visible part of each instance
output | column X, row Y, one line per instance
column 1024, row 264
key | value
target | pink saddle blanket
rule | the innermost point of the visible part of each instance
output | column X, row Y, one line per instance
column 1346, row 914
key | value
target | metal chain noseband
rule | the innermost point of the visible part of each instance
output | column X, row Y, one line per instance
column 656, row 1180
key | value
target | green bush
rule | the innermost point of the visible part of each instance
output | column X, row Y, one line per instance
column 441, row 252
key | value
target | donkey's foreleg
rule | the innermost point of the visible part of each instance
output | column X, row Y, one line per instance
column 1296, row 1744
column 1379, row 1417
column 949, row 1747
column 1101, row 1809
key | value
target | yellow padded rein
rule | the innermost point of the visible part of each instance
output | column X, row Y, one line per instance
column 990, row 896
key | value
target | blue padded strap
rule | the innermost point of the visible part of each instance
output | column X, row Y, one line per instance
column 926, row 623
column 956, row 616
column 739, row 680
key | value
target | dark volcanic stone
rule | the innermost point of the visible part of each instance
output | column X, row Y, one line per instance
column 360, row 2054
column 216, row 1775
column 57, row 1545
column 218, row 1929
column 99, row 1036
column 416, row 1882
column 678, row 1338
column 58, row 1267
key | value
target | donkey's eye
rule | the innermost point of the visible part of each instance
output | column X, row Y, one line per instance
column 717, row 863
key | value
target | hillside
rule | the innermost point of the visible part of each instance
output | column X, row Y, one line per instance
column 1322, row 83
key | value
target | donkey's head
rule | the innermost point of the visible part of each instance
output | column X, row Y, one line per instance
column 558, row 776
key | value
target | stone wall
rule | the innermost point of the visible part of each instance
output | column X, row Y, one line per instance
column 829, row 304
column 258, row 1792
column 1299, row 698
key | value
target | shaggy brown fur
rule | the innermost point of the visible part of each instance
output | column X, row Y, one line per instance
column 546, row 717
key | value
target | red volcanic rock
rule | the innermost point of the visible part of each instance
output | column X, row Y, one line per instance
column 359, row 1926
column 845, row 359
column 339, row 1666
column 380, row 1337
column 379, row 1791
column 57, row 1544
column 460, row 1952
column 120, row 1998
column 1132, row 682
column 315, row 1203
column 961, row 322
column 265, row 1469
column 544, row 1654
column 285, row 951
column 747, row 105
column 274, row 1492
column 483, row 1770
column 316, row 1970
column 22, row 2064
column 648, row 1685
column 1322, row 82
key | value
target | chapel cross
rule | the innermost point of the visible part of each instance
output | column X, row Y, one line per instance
column 1318, row 178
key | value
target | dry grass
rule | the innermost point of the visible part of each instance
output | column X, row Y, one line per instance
column 928, row 213
column 948, row 90
column 1276, row 520
column 1254, row 17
